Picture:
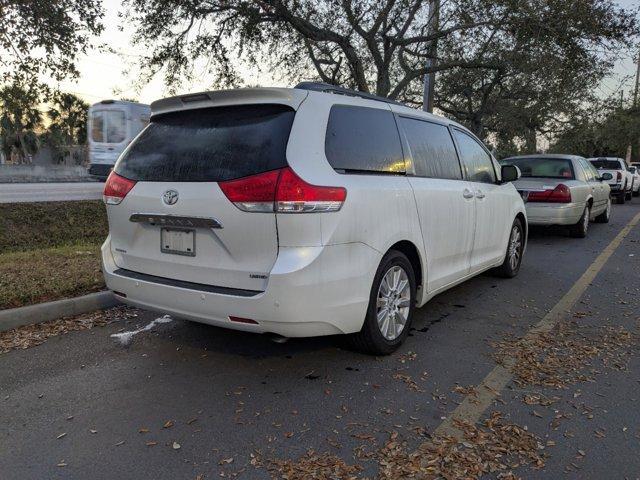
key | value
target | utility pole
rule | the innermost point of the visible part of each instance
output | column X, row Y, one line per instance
column 635, row 105
column 432, row 51
column 635, row 92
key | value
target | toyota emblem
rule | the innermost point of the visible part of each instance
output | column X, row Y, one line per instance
column 170, row 197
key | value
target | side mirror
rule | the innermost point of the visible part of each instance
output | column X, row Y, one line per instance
column 605, row 177
column 510, row 173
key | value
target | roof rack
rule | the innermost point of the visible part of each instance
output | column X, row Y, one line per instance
column 327, row 88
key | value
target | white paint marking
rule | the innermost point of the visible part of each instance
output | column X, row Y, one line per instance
column 470, row 410
column 125, row 337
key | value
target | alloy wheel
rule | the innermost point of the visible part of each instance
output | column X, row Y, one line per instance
column 393, row 302
column 515, row 247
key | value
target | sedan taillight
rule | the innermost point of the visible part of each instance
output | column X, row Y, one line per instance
column 116, row 188
column 282, row 191
column 560, row 194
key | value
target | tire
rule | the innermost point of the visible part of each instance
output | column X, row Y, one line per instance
column 605, row 216
column 371, row 339
column 628, row 196
column 636, row 193
column 515, row 247
column 620, row 199
column 579, row 230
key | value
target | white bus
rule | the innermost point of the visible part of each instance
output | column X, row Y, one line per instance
column 112, row 124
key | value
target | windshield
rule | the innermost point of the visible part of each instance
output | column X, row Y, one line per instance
column 108, row 126
column 542, row 167
column 209, row 145
column 606, row 164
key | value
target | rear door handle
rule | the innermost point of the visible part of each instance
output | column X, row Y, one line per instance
column 479, row 194
column 466, row 193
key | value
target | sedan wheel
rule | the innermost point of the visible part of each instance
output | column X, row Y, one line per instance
column 606, row 215
column 579, row 230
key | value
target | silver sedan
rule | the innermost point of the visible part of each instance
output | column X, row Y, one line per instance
column 562, row 190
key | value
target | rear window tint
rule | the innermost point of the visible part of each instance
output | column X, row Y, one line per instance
column 209, row 145
column 606, row 164
column 432, row 149
column 362, row 139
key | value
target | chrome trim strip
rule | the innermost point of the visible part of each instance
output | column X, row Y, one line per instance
column 174, row 220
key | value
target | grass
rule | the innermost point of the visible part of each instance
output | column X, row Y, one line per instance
column 44, row 274
column 29, row 226
column 50, row 250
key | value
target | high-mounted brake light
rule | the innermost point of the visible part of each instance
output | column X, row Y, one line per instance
column 282, row 191
column 116, row 188
column 560, row 194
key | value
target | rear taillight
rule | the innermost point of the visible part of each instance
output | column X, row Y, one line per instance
column 560, row 194
column 282, row 191
column 619, row 176
column 116, row 188
column 294, row 195
column 253, row 194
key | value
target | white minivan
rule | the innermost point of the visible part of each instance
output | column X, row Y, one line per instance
column 307, row 211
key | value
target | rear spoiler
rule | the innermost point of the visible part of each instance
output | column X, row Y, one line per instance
column 243, row 96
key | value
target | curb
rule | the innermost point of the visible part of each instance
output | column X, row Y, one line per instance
column 43, row 312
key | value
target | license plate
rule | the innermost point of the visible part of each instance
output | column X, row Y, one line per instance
column 178, row 241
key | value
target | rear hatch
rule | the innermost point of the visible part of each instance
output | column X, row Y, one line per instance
column 176, row 222
column 609, row 166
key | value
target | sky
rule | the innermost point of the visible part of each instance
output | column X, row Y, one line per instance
column 103, row 75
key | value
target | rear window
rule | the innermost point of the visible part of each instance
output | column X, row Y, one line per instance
column 606, row 164
column 362, row 139
column 209, row 145
column 542, row 167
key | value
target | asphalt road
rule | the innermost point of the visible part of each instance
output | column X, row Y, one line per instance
column 229, row 395
column 50, row 192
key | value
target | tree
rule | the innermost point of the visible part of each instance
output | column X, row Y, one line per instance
column 373, row 46
column 68, row 127
column 20, row 121
column 39, row 37
column 549, row 68
column 68, row 116
column 605, row 129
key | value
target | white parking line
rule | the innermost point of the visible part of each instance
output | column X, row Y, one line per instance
column 489, row 389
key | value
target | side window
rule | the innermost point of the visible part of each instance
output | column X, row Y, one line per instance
column 588, row 171
column 432, row 149
column 363, row 139
column 476, row 160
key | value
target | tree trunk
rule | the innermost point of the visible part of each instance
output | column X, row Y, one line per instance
column 531, row 141
column 23, row 147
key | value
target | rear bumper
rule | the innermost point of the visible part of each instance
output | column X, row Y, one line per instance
column 616, row 189
column 554, row 214
column 311, row 291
